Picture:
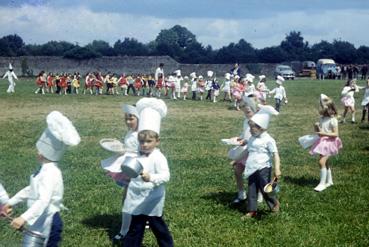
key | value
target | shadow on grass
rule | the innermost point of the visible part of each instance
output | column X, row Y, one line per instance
column 111, row 223
column 301, row 181
column 364, row 127
column 226, row 198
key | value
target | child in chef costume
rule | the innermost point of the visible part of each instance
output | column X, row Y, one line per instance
column 11, row 76
column 146, row 193
column 262, row 153
column 279, row 93
column 45, row 193
column 113, row 164
column 249, row 107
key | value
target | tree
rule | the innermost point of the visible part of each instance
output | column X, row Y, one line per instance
column 363, row 54
column 345, row 52
column 101, row 47
column 323, row 49
column 12, row 45
column 294, row 46
column 81, row 53
column 130, row 47
column 273, row 54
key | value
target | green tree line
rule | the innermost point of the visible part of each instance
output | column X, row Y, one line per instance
column 182, row 45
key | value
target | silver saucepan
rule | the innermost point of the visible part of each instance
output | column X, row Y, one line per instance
column 132, row 167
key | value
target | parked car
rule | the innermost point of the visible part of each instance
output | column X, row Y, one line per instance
column 285, row 71
column 308, row 67
column 326, row 68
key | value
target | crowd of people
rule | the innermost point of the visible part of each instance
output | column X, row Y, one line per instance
column 255, row 155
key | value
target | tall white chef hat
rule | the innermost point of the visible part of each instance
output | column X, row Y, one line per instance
column 193, row 75
column 151, row 111
column 210, row 73
column 177, row 72
column 130, row 109
column 262, row 117
column 250, row 77
column 279, row 80
column 227, row 76
column 10, row 66
column 59, row 134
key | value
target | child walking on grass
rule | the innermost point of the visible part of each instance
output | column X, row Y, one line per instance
column 44, row 195
column 328, row 143
column 146, row 193
column 113, row 164
column 262, row 153
column 348, row 99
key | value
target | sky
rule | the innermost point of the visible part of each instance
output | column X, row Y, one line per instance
column 262, row 23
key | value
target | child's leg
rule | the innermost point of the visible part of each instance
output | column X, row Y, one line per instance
column 263, row 178
column 352, row 108
column 56, row 230
column 126, row 222
column 136, row 231
column 252, row 203
column 161, row 231
column 238, row 171
column 363, row 114
column 323, row 174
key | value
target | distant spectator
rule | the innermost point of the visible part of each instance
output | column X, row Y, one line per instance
column 236, row 70
column 364, row 71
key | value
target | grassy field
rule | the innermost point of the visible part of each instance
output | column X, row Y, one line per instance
column 197, row 208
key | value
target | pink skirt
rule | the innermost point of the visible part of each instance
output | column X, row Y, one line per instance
column 326, row 146
column 348, row 101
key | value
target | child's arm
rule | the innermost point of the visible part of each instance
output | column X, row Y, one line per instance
column 161, row 175
column 334, row 132
column 277, row 165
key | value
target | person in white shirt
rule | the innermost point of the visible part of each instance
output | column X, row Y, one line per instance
column 146, row 192
column 348, row 99
column 45, row 193
column 11, row 76
column 262, row 152
column 279, row 93
column 365, row 102
column 3, row 195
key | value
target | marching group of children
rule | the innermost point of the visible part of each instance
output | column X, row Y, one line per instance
column 255, row 156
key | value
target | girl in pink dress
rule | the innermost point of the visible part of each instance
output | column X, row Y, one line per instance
column 328, row 143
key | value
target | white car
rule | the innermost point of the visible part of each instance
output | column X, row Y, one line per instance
column 285, row 71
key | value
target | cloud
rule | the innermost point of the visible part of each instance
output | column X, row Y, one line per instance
column 39, row 24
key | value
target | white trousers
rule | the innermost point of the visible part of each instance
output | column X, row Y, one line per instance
column 11, row 87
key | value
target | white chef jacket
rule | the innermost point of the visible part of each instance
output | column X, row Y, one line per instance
column 261, row 150
column 44, row 198
column 148, row 197
column 10, row 75
column 366, row 97
column 3, row 195
column 280, row 93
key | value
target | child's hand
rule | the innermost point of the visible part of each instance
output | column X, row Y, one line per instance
column 17, row 223
column 277, row 173
column 5, row 210
column 145, row 176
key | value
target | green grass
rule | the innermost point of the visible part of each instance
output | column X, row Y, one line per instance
column 202, row 185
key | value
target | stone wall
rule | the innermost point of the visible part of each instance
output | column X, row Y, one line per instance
column 32, row 65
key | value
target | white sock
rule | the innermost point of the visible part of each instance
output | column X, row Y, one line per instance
column 329, row 176
column 353, row 117
column 126, row 222
column 323, row 175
